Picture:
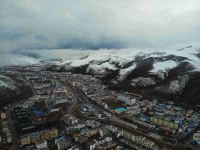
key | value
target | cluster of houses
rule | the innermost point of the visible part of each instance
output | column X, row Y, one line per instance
column 163, row 119
column 94, row 135
column 196, row 138
column 166, row 119
column 43, row 122
column 38, row 119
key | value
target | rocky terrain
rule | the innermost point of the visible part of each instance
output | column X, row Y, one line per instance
column 173, row 74
column 13, row 88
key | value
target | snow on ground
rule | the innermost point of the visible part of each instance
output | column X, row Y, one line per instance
column 64, row 62
column 163, row 66
column 142, row 82
column 100, row 56
column 175, row 87
column 8, row 59
column 188, row 50
column 123, row 56
column 107, row 65
column 123, row 73
column 155, row 54
column 100, row 68
column 120, row 61
column 6, row 82
column 92, row 57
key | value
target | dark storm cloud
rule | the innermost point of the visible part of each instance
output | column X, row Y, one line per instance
column 93, row 24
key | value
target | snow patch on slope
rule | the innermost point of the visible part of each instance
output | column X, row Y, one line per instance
column 7, row 83
column 119, row 62
column 175, row 86
column 94, row 57
column 162, row 68
column 122, row 58
column 123, row 73
column 142, row 82
column 100, row 68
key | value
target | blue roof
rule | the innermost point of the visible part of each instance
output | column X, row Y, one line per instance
column 37, row 112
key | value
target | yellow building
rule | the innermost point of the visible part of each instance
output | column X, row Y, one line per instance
column 25, row 140
column 160, row 121
column 39, row 136
column 196, row 137
column 35, row 137
column 44, row 135
column 3, row 115
column 173, row 125
column 163, row 122
column 53, row 133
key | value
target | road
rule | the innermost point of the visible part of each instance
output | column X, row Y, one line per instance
column 74, row 103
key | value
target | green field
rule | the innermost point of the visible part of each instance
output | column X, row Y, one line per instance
column 113, row 104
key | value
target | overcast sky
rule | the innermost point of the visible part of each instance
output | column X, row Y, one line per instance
column 94, row 24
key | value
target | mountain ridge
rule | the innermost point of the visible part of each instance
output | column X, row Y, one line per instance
column 167, row 72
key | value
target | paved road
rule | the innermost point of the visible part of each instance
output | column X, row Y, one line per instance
column 74, row 103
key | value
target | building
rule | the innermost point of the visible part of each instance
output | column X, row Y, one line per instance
column 104, row 132
column 42, row 145
column 89, row 132
column 132, row 112
column 25, row 140
column 163, row 122
column 127, row 100
column 62, row 143
column 3, row 115
column 44, row 135
column 70, row 120
column 75, row 128
column 92, row 123
column 35, row 137
column 80, row 138
column 91, row 145
column 8, row 137
column 103, row 141
column 38, row 136
column 196, row 137
column 139, row 140
column 53, row 133
column 60, row 93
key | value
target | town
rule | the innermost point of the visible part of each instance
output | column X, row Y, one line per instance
column 76, row 112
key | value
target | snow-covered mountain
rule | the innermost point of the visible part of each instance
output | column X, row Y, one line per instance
column 166, row 71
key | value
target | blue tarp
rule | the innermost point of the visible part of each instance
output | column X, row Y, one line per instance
column 37, row 112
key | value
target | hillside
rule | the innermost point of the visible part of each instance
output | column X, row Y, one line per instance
column 170, row 74
column 12, row 89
